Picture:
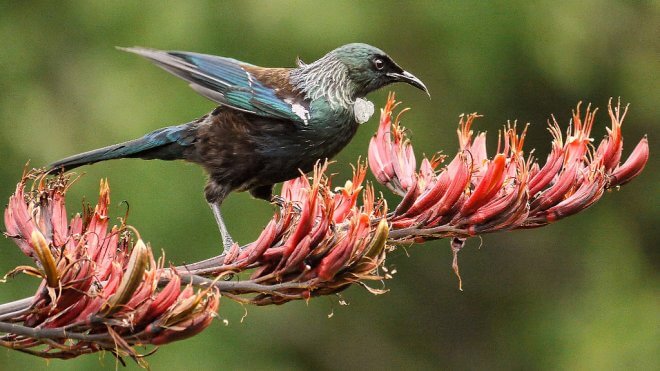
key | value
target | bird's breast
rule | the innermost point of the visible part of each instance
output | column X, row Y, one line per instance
column 284, row 154
column 245, row 150
column 330, row 129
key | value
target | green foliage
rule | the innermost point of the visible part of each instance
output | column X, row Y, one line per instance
column 581, row 294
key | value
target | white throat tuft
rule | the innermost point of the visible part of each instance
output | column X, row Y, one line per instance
column 363, row 110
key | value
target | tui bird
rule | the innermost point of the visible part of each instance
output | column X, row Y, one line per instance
column 271, row 123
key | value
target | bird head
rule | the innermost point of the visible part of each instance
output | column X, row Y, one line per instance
column 370, row 68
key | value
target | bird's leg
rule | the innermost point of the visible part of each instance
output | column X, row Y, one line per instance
column 266, row 193
column 215, row 192
column 227, row 241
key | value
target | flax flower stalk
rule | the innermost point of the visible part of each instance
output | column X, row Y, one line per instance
column 102, row 289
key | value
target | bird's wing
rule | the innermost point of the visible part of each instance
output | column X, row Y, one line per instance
column 232, row 83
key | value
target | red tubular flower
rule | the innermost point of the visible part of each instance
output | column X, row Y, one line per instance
column 95, row 281
column 553, row 163
column 633, row 165
column 487, row 187
column 391, row 156
column 346, row 197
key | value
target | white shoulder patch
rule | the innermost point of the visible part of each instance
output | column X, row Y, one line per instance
column 299, row 110
column 363, row 110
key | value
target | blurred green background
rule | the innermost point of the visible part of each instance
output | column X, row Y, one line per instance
column 580, row 294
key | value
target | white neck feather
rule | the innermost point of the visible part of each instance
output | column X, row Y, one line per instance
column 326, row 77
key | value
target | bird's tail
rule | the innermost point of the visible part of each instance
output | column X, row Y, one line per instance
column 168, row 143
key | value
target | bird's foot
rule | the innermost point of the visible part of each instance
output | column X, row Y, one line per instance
column 278, row 201
column 283, row 203
column 227, row 243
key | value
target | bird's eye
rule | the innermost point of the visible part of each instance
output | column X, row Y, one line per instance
column 379, row 64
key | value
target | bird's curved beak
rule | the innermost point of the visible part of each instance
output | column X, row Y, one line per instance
column 410, row 79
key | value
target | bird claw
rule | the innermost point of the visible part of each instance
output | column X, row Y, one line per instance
column 227, row 243
column 283, row 203
column 278, row 201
